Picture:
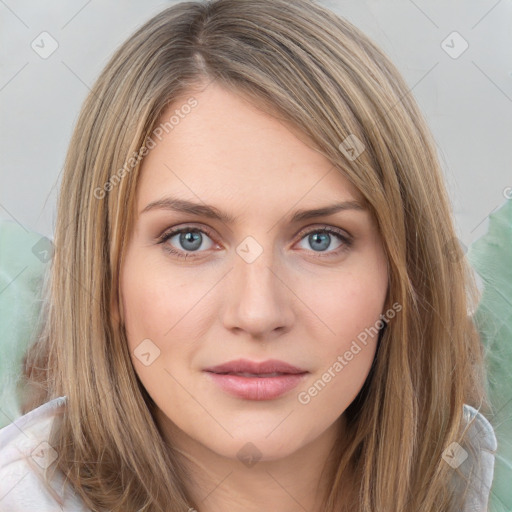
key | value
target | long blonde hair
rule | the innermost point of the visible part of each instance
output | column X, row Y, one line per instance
column 303, row 64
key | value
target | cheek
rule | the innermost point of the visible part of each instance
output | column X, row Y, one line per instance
column 350, row 309
column 349, row 303
column 153, row 301
column 155, row 307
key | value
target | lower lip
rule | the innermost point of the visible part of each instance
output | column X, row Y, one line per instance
column 257, row 388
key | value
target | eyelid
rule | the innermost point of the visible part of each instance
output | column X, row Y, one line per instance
column 324, row 227
column 174, row 230
column 209, row 231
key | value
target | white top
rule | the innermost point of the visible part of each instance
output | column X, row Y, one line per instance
column 25, row 453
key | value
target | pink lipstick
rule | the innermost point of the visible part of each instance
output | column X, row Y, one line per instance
column 251, row 380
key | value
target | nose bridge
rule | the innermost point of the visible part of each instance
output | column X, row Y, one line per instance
column 258, row 300
column 254, row 279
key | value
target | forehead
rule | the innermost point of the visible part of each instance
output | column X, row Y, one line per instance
column 224, row 149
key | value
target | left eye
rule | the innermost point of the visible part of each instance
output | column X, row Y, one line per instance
column 321, row 239
column 191, row 240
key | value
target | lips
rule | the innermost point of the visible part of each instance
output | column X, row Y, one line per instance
column 246, row 368
column 250, row 380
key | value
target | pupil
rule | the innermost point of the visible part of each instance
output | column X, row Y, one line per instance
column 191, row 237
column 322, row 237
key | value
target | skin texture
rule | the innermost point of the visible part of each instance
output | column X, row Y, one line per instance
column 294, row 302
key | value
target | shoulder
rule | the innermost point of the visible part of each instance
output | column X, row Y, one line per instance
column 25, row 454
column 476, row 464
column 480, row 431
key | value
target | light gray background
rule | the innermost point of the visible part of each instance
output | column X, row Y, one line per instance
column 467, row 100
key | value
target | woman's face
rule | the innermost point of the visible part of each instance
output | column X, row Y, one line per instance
column 262, row 285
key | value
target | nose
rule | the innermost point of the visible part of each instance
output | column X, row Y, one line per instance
column 258, row 300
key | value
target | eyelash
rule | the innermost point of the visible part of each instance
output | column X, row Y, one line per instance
column 346, row 241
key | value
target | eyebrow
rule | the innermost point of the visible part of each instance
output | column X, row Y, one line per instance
column 204, row 210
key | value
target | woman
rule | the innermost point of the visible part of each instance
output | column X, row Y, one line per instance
column 256, row 302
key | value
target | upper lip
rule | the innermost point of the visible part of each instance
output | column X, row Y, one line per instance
column 246, row 366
